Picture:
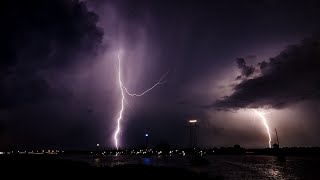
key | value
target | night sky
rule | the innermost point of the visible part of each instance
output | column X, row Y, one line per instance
column 59, row 72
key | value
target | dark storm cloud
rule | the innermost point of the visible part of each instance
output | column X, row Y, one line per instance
column 41, row 35
column 290, row 77
column 246, row 70
column 40, row 40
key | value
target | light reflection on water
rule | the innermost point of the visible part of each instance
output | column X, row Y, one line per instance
column 229, row 167
column 147, row 161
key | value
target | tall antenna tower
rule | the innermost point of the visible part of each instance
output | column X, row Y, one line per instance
column 277, row 137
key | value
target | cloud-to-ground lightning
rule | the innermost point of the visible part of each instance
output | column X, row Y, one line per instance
column 124, row 90
column 122, row 103
column 265, row 123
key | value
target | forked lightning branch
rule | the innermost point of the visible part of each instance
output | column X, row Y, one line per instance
column 124, row 91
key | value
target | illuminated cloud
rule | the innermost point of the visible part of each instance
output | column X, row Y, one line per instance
column 288, row 78
column 246, row 70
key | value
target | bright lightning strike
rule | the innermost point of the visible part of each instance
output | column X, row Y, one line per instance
column 264, row 121
column 122, row 104
column 124, row 90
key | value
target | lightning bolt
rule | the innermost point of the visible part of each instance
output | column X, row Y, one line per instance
column 141, row 94
column 122, row 103
column 264, row 121
column 124, row 91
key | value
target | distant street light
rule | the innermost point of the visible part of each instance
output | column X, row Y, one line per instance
column 97, row 148
column 193, row 139
column 147, row 136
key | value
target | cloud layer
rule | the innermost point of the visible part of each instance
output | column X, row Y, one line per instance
column 290, row 77
column 246, row 70
column 41, row 40
column 37, row 36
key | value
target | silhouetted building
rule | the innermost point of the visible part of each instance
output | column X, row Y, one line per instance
column 275, row 146
column 236, row 146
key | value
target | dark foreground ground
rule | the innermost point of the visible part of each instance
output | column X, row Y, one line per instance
column 42, row 164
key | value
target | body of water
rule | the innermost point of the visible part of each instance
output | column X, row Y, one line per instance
column 226, row 166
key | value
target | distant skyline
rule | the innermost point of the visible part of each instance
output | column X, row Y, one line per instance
column 59, row 86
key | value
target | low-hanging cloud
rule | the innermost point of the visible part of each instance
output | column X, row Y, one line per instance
column 290, row 77
column 246, row 70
